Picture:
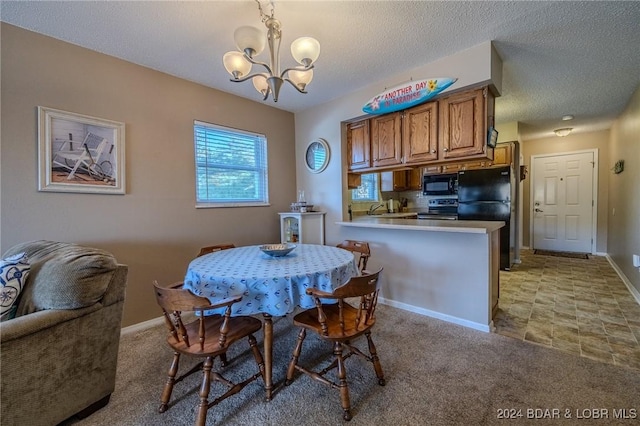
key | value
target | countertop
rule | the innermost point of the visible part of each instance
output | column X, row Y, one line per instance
column 463, row 226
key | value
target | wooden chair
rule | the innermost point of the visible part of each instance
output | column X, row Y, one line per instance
column 204, row 337
column 360, row 249
column 340, row 323
column 217, row 247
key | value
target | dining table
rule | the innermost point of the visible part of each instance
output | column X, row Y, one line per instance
column 269, row 285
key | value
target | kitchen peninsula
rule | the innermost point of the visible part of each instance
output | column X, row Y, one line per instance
column 445, row 269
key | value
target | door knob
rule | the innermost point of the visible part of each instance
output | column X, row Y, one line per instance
column 538, row 210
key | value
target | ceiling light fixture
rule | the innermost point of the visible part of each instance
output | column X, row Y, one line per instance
column 250, row 42
column 567, row 117
column 563, row 132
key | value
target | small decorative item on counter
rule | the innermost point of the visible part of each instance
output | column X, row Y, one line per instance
column 297, row 207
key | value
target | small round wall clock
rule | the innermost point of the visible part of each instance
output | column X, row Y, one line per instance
column 316, row 157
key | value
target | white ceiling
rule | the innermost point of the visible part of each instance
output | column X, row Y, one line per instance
column 580, row 58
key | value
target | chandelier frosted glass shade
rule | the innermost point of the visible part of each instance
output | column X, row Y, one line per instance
column 236, row 64
column 250, row 38
column 305, row 50
column 260, row 83
column 301, row 78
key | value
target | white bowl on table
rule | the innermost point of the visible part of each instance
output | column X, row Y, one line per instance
column 277, row 250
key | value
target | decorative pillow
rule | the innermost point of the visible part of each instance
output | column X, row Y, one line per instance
column 13, row 275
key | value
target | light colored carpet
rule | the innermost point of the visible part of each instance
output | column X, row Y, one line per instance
column 437, row 374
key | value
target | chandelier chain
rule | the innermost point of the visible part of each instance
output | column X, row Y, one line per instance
column 264, row 17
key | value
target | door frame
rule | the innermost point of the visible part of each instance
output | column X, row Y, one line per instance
column 594, row 189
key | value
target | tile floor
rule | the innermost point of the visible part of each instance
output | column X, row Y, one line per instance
column 574, row 305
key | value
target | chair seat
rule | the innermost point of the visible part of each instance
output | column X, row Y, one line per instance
column 239, row 328
column 309, row 319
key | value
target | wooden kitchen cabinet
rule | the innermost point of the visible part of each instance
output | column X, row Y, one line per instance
column 402, row 180
column 450, row 130
column 386, row 140
column 463, row 126
column 415, row 179
column 420, row 133
column 394, row 181
column 358, row 145
column 502, row 155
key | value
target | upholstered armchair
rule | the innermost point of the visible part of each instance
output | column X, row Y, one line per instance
column 59, row 353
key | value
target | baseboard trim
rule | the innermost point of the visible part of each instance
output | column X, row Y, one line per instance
column 625, row 280
column 437, row 315
column 141, row 326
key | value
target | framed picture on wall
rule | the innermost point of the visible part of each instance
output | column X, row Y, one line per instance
column 79, row 153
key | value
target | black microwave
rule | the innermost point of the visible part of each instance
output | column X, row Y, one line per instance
column 445, row 184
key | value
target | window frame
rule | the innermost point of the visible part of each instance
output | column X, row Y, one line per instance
column 376, row 191
column 260, row 144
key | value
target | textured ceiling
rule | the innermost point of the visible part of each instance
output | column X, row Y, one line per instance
column 579, row 58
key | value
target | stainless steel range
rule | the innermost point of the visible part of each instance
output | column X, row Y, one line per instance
column 441, row 208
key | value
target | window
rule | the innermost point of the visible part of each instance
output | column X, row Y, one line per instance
column 231, row 167
column 368, row 189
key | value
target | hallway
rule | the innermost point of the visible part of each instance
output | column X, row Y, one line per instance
column 580, row 306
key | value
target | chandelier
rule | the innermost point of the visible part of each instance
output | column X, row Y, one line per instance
column 250, row 42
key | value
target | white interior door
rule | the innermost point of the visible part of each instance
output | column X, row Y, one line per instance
column 562, row 202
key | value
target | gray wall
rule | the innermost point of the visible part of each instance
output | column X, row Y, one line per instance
column 154, row 228
column 624, row 191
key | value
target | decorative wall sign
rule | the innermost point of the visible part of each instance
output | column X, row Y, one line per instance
column 407, row 95
column 79, row 153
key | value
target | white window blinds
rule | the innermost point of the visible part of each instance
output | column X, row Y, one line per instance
column 231, row 167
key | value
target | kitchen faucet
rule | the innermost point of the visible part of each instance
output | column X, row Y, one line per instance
column 373, row 209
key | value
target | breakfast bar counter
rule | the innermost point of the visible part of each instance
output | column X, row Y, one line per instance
column 432, row 225
column 446, row 269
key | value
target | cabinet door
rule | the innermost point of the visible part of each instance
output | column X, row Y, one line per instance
column 463, row 124
column 502, row 155
column 415, row 179
column 386, row 140
column 420, row 133
column 393, row 181
column 358, row 145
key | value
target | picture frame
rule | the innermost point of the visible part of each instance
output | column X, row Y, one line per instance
column 79, row 153
column 492, row 137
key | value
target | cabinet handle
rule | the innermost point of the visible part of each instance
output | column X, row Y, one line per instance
column 446, row 149
column 433, row 151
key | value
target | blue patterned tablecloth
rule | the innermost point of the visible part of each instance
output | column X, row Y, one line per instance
column 271, row 285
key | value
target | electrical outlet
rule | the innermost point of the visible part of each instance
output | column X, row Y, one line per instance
column 636, row 261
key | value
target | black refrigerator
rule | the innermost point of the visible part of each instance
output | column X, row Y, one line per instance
column 488, row 194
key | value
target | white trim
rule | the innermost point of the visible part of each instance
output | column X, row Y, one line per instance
column 433, row 314
column 141, row 326
column 594, row 192
column 625, row 280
